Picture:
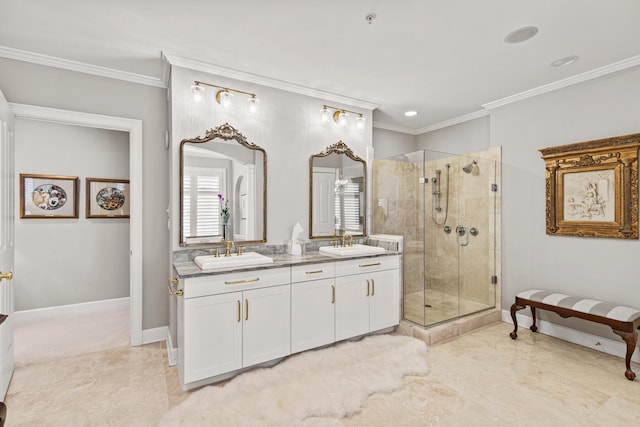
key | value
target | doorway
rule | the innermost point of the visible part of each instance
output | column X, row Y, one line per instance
column 134, row 130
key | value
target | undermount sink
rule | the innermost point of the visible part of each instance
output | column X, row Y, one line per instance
column 356, row 249
column 210, row 262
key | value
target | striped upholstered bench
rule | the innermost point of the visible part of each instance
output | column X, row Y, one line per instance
column 624, row 321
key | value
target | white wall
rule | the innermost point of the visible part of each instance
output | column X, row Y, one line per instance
column 387, row 143
column 605, row 269
column 69, row 261
column 32, row 84
column 287, row 126
column 462, row 138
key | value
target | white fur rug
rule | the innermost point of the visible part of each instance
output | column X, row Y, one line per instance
column 315, row 388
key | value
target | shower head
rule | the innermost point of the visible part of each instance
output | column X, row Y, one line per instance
column 470, row 167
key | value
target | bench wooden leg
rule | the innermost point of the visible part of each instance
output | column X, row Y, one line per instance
column 631, row 338
column 533, row 326
column 514, row 308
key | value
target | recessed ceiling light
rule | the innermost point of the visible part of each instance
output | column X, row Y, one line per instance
column 564, row 61
column 410, row 113
column 521, row 34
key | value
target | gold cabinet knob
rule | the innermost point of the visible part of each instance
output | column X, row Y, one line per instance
column 173, row 281
column 7, row 276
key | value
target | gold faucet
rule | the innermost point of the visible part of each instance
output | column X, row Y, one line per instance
column 350, row 240
column 342, row 238
column 228, row 244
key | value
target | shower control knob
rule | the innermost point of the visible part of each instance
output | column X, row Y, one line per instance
column 447, row 229
column 474, row 231
column 461, row 230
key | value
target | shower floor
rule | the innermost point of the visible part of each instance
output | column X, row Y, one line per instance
column 444, row 306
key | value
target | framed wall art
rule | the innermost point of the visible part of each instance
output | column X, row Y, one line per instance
column 48, row 196
column 107, row 198
column 592, row 188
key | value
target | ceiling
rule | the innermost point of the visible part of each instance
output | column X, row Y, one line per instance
column 444, row 59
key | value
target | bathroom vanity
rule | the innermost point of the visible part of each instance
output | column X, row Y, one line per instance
column 230, row 320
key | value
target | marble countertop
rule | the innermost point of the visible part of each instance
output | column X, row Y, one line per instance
column 188, row 269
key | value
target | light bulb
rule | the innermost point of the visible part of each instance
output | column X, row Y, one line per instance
column 360, row 121
column 197, row 92
column 254, row 104
column 325, row 115
column 224, row 98
column 340, row 117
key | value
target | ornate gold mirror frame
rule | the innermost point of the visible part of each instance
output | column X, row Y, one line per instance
column 346, row 170
column 224, row 132
column 592, row 188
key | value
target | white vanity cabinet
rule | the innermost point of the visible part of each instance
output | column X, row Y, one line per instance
column 367, row 295
column 227, row 322
column 231, row 321
column 312, row 306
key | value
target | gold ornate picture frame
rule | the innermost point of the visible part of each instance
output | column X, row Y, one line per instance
column 592, row 188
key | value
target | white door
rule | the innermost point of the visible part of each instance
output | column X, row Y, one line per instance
column 352, row 306
column 7, row 216
column 212, row 333
column 384, row 308
column 312, row 314
column 324, row 212
column 266, row 333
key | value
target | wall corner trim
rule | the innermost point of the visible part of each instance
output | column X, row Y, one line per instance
column 634, row 61
column 197, row 65
column 80, row 67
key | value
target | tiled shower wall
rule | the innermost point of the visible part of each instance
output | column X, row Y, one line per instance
column 458, row 277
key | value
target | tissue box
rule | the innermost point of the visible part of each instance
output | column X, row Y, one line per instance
column 293, row 247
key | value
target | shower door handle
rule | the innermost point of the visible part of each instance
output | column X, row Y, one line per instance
column 461, row 231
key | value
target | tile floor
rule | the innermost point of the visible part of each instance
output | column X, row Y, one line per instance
column 480, row 378
column 444, row 306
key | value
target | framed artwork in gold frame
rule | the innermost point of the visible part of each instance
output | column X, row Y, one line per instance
column 48, row 196
column 108, row 198
column 592, row 188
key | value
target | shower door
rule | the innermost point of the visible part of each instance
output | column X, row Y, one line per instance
column 444, row 206
column 459, row 194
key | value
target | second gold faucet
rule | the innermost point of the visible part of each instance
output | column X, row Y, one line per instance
column 228, row 244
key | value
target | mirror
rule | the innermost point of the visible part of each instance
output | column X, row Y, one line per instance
column 223, row 188
column 337, row 192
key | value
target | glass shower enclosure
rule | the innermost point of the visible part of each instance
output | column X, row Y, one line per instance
column 444, row 205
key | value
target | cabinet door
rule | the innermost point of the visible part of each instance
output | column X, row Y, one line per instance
column 267, row 324
column 352, row 306
column 312, row 314
column 384, row 308
column 212, row 335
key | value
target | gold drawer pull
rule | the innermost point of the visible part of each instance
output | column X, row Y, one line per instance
column 246, row 309
column 333, row 294
column 235, row 282
column 369, row 265
column 239, row 310
column 7, row 276
column 373, row 287
column 368, row 288
column 313, row 272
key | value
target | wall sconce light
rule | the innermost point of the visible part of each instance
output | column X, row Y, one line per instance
column 340, row 116
column 224, row 96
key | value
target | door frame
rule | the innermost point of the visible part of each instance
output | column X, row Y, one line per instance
column 134, row 128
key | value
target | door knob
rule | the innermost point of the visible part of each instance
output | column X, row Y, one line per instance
column 7, row 276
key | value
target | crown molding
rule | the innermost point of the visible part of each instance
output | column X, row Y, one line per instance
column 394, row 128
column 453, row 121
column 80, row 67
column 197, row 65
column 634, row 61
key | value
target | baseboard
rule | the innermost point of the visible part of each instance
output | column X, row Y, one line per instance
column 596, row 342
column 154, row 335
column 172, row 352
column 40, row 314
